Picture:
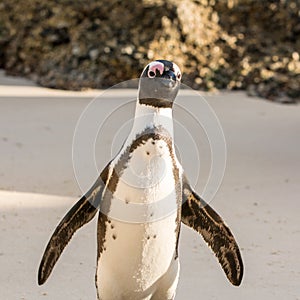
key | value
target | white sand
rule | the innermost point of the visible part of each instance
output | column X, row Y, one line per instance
column 259, row 197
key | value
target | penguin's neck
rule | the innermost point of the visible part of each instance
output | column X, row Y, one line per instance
column 147, row 117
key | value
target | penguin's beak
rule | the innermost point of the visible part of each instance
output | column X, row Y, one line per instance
column 168, row 79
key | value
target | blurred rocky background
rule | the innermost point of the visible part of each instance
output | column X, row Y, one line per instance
column 235, row 44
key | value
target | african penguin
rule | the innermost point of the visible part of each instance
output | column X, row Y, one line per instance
column 142, row 196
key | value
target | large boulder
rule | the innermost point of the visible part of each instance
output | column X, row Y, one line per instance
column 236, row 44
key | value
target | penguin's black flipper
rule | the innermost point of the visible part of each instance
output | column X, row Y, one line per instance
column 198, row 215
column 80, row 214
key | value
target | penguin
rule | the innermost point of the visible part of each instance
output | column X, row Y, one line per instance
column 142, row 197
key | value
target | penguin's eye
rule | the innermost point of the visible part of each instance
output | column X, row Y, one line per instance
column 151, row 74
column 178, row 76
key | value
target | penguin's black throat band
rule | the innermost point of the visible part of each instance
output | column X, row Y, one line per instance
column 159, row 103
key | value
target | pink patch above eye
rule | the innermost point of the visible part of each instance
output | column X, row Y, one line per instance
column 156, row 65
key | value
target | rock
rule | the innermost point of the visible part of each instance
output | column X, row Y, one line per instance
column 96, row 44
column 284, row 99
column 252, row 90
column 94, row 53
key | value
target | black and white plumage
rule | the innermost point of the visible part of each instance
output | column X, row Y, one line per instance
column 142, row 197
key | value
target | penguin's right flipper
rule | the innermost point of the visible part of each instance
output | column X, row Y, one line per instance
column 198, row 215
column 80, row 214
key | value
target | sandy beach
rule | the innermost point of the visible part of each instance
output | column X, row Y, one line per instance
column 258, row 198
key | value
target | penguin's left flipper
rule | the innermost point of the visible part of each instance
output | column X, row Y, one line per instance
column 80, row 214
column 198, row 215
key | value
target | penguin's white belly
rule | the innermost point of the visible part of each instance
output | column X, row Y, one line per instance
column 138, row 260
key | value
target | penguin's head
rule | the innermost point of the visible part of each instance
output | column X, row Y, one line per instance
column 159, row 83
